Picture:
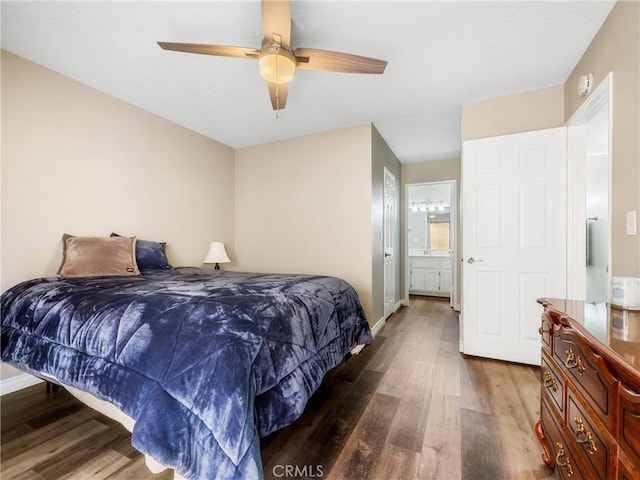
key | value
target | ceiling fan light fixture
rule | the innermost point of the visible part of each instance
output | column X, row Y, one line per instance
column 277, row 65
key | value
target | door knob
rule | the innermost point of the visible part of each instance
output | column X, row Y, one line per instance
column 473, row 260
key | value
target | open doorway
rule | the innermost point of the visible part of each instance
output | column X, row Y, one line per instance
column 589, row 229
column 431, row 240
column 597, row 207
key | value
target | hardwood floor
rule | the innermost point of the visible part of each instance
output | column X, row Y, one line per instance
column 408, row 407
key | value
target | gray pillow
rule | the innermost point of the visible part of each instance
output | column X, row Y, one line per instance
column 150, row 255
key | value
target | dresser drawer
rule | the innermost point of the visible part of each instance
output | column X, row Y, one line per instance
column 590, row 438
column 629, row 425
column 561, row 453
column 552, row 383
column 587, row 371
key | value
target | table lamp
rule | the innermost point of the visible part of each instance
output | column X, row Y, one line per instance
column 216, row 254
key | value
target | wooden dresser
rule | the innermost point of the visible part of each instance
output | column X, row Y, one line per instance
column 590, row 401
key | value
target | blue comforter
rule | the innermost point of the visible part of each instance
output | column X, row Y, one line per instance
column 204, row 361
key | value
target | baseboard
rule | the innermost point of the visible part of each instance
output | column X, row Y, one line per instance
column 14, row 384
column 378, row 326
column 380, row 323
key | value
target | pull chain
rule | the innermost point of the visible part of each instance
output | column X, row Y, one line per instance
column 277, row 87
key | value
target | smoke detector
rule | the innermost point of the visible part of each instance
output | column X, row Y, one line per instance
column 584, row 85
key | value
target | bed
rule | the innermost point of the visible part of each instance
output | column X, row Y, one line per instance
column 202, row 362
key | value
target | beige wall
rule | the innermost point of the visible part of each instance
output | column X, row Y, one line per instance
column 525, row 112
column 382, row 157
column 304, row 206
column 616, row 48
column 425, row 172
column 76, row 160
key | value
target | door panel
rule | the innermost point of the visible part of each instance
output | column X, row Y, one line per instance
column 489, row 287
column 533, row 215
column 489, row 223
column 514, row 240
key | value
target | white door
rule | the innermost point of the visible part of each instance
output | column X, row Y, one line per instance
column 389, row 233
column 514, row 240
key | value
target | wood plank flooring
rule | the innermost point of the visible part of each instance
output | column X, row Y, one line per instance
column 410, row 406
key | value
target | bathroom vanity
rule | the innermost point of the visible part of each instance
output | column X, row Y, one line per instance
column 429, row 274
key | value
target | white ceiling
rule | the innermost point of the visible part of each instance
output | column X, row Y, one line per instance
column 441, row 56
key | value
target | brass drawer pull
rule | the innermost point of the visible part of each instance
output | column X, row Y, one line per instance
column 573, row 362
column 565, row 462
column 541, row 330
column 550, row 382
column 582, row 436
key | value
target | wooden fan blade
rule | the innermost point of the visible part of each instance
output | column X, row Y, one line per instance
column 313, row 59
column 276, row 19
column 219, row 50
column 278, row 94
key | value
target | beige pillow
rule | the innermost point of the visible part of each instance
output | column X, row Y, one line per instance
column 98, row 256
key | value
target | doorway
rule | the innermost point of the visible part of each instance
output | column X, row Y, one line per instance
column 589, row 189
column 431, row 237
column 597, row 209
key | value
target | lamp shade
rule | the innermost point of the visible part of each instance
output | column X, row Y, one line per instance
column 216, row 254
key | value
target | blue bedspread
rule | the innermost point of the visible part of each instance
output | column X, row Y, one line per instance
column 204, row 361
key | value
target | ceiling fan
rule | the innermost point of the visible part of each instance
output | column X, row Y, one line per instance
column 277, row 59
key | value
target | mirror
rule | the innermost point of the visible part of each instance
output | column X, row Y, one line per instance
column 429, row 225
